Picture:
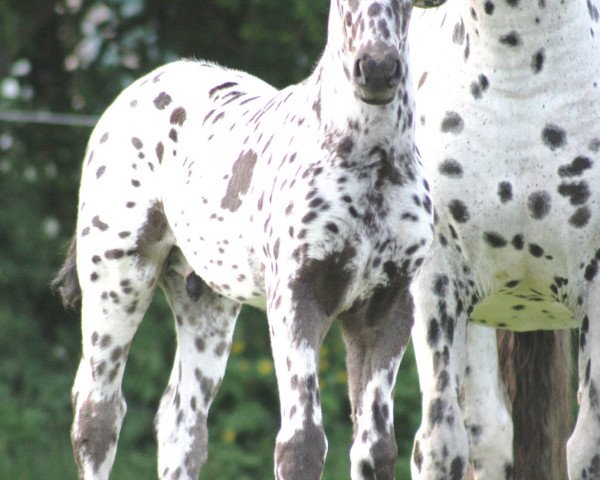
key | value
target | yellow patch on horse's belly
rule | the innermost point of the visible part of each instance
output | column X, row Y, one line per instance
column 523, row 308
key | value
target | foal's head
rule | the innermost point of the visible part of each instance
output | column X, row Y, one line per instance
column 373, row 50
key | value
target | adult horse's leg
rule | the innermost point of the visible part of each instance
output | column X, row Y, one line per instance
column 441, row 298
column 204, row 329
column 376, row 337
column 487, row 418
column 117, row 285
column 583, row 455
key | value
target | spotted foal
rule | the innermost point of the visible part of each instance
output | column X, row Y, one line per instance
column 308, row 202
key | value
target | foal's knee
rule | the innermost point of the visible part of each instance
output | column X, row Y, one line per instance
column 302, row 456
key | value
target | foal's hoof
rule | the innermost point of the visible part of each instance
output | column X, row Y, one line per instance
column 194, row 286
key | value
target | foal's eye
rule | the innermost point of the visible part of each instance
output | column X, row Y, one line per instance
column 428, row 3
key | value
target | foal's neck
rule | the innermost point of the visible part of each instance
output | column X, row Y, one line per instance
column 339, row 110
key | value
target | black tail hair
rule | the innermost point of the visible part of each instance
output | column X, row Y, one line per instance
column 536, row 369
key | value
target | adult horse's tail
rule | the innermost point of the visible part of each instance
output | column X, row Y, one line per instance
column 536, row 369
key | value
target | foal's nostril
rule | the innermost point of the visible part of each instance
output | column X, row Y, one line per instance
column 358, row 71
column 391, row 69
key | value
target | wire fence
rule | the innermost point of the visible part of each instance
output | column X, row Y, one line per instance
column 49, row 118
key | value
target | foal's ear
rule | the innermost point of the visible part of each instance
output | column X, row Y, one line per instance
column 428, row 3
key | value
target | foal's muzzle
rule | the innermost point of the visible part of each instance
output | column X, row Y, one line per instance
column 376, row 74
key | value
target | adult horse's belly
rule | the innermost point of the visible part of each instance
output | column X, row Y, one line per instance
column 529, row 305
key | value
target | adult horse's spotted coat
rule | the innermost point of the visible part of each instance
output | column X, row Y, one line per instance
column 307, row 201
column 508, row 115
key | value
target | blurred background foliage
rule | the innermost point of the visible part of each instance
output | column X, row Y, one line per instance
column 74, row 56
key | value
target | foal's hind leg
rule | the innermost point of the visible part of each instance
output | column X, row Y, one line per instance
column 204, row 330
column 115, row 296
column 375, row 342
column 488, row 421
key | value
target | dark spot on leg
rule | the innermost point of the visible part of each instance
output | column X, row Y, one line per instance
column 459, row 211
column 457, row 468
column 96, row 431
column 505, row 191
column 114, row 254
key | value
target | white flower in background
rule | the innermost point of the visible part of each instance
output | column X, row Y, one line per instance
column 51, row 227
column 30, row 174
column 20, row 68
column 10, row 88
column 6, row 141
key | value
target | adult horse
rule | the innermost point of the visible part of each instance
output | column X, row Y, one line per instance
column 308, row 202
column 508, row 115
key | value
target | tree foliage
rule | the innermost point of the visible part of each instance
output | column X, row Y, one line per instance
column 75, row 56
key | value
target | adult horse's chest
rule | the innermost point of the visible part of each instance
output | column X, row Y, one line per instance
column 512, row 158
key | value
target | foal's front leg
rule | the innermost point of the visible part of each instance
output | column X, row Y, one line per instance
column 298, row 322
column 376, row 336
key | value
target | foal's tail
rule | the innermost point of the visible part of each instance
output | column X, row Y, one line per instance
column 66, row 282
column 536, row 369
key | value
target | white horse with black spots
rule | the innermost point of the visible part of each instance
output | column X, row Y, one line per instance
column 308, row 202
column 508, row 120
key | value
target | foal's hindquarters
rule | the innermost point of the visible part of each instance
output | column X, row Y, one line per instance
column 308, row 202
column 508, row 115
